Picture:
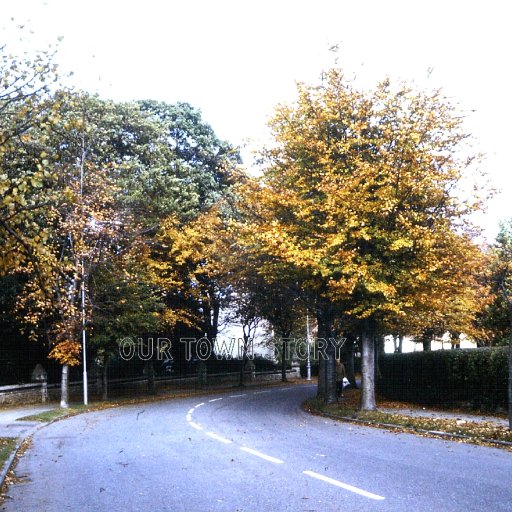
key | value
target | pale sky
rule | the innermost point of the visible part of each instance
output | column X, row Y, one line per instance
column 235, row 60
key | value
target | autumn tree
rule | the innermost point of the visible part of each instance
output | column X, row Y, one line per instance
column 25, row 171
column 186, row 262
column 358, row 196
column 124, row 306
column 87, row 225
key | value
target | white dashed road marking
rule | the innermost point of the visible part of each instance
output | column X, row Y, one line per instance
column 347, row 487
column 213, row 435
column 269, row 458
column 262, row 455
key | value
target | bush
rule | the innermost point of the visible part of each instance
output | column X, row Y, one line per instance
column 477, row 377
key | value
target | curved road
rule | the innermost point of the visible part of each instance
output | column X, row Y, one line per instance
column 249, row 451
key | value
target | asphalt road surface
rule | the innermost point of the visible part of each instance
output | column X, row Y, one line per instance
column 249, row 451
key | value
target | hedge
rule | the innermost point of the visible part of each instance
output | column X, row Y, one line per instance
column 473, row 377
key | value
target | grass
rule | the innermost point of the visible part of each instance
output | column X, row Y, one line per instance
column 481, row 432
column 55, row 414
column 7, row 446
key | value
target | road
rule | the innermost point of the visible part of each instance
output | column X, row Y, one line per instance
column 249, row 451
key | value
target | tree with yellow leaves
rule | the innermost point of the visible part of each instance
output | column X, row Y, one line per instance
column 187, row 262
column 358, row 196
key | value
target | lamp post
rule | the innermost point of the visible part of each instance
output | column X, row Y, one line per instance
column 84, row 353
column 308, row 361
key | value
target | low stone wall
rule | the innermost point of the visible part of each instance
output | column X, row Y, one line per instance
column 25, row 394
column 22, row 394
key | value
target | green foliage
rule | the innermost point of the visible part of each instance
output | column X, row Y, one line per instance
column 25, row 170
column 474, row 376
column 199, row 159
column 124, row 305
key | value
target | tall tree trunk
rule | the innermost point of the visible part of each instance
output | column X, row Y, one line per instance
column 455, row 340
column 320, row 390
column 151, row 377
column 368, row 402
column 64, row 387
column 211, row 322
column 320, row 341
column 284, row 349
column 241, row 381
column 331, row 396
column 400, row 343
column 325, row 320
column 104, row 390
column 349, row 362
column 427, row 344
column 215, row 322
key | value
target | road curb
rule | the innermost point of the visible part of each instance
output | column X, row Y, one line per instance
column 21, row 440
column 8, row 463
column 389, row 426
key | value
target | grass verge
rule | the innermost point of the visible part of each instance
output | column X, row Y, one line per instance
column 7, row 446
column 58, row 413
column 481, row 432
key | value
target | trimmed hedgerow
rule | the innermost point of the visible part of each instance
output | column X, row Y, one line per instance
column 476, row 377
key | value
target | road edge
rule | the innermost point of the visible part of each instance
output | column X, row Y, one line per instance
column 308, row 407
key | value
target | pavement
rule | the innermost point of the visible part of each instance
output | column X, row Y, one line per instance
column 251, row 450
column 423, row 412
column 11, row 426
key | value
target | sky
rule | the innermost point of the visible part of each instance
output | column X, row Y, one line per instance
column 236, row 60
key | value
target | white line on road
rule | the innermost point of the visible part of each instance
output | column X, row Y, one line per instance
column 260, row 392
column 191, row 411
column 213, row 435
column 189, row 417
column 262, row 455
column 214, row 399
column 199, row 405
column 347, row 487
column 195, row 425
column 236, row 396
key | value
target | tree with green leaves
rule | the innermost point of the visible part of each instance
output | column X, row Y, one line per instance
column 26, row 176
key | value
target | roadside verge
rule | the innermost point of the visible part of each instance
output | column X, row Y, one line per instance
column 476, row 432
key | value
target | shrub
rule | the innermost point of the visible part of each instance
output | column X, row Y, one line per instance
column 477, row 377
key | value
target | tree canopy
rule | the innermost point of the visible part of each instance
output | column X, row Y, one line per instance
column 358, row 198
column 142, row 208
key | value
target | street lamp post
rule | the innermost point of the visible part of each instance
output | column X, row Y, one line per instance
column 308, row 361
column 84, row 353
